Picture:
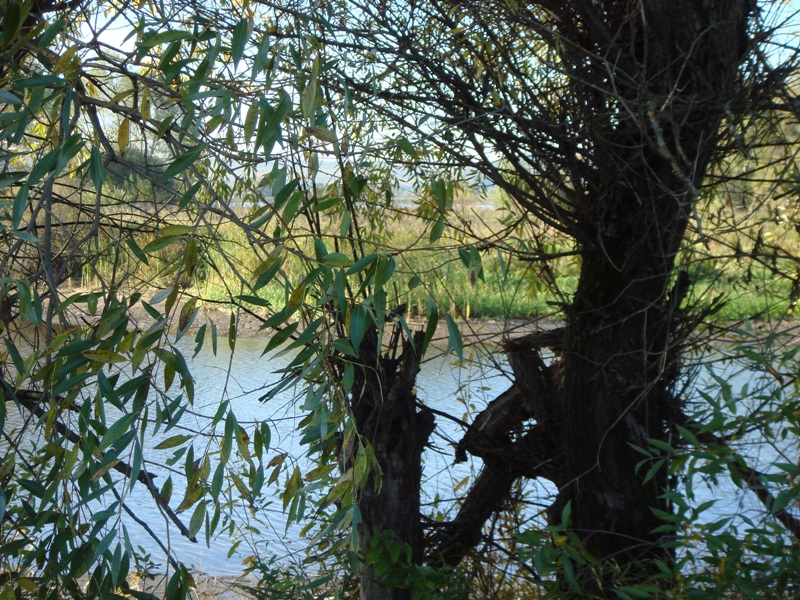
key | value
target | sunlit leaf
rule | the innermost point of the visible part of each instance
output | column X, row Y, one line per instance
column 164, row 37
column 104, row 356
column 337, row 260
column 251, row 120
column 124, row 135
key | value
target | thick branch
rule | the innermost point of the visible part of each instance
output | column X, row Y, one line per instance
column 508, row 447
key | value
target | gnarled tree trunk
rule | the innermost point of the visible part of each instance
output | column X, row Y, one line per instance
column 656, row 79
column 675, row 77
column 386, row 414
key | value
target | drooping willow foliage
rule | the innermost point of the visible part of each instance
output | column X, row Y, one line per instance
column 304, row 166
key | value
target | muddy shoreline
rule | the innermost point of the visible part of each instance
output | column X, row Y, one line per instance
column 250, row 324
column 475, row 331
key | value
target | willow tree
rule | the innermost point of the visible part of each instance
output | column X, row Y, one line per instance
column 602, row 121
column 605, row 123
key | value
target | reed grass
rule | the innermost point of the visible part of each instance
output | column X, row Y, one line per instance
column 507, row 287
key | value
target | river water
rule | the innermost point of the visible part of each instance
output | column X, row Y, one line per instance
column 463, row 390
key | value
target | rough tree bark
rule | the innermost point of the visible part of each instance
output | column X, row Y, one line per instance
column 674, row 68
column 386, row 414
column 620, row 359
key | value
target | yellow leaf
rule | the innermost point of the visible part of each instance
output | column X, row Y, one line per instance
column 265, row 266
column 461, row 483
column 65, row 61
column 103, row 356
column 118, row 97
column 186, row 313
column 144, row 104
column 297, row 296
column 124, row 135
column 104, row 470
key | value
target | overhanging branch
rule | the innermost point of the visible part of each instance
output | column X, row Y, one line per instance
column 31, row 400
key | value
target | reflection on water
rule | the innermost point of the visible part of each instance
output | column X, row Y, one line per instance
column 242, row 378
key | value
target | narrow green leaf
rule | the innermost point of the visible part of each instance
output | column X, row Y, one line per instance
column 262, row 57
column 651, row 472
column 433, row 321
column 198, row 516
column 255, row 300
column 280, row 337
column 362, row 264
column 232, row 332
column 184, row 161
column 13, row 18
column 189, row 195
column 164, row 125
column 217, row 480
column 661, row 445
column 9, row 98
column 164, row 37
column 105, row 543
column 270, row 129
column 241, row 33
column 407, row 147
column 136, row 463
column 342, row 345
column 349, row 377
column 190, row 257
column 327, row 203
column 20, row 204
column 384, row 271
column 282, row 194
column 25, row 236
column 159, row 243
column 10, row 178
column 199, row 339
column 165, row 495
column 172, row 442
column 271, row 267
column 437, row 230
column 16, row 357
column 359, row 319
column 454, row 343
column 116, row 431
column 337, row 260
